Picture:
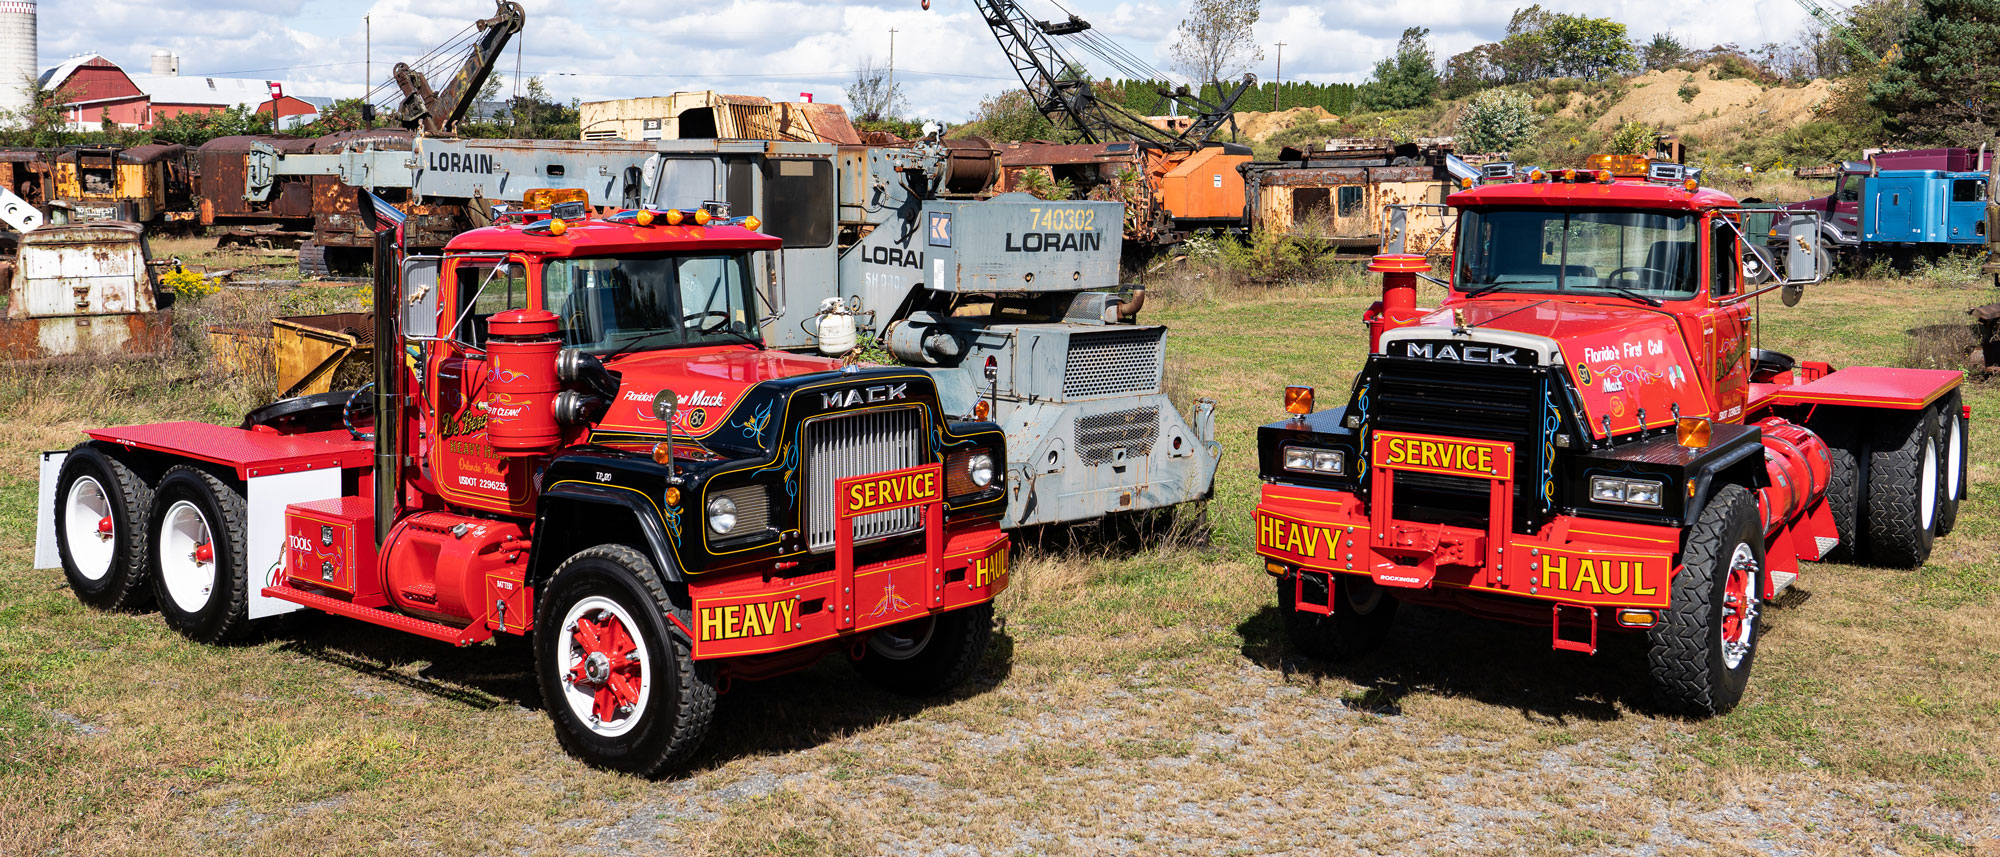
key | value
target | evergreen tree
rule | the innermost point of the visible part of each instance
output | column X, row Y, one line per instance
column 1408, row 79
column 1943, row 89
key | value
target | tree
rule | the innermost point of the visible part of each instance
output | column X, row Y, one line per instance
column 1217, row 40
column 873, row 96
column 44, row 121
column 1586, row 47
column 1940, row 90
column 1405, row 80
column 1663, row 51
column 1010, row 115
column 194, row 129
column 1469, row 72
column 1496, row 120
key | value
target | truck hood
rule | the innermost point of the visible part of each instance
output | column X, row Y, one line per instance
column 711, row 382
column 1623, row 361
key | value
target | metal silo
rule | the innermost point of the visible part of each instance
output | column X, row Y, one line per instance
column 17, row 54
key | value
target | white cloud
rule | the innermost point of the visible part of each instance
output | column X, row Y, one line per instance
column 946, row 58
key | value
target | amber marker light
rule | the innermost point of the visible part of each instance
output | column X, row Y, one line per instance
column 751, row 222
column 1691, row 185
column 702, row 217
column 1693, row 432
column 673, row 495
column 663, row 454
column 1299, row 400
column 674, row 217
column 981, row 410
column 557, row 227
column 1276, row 569
column 643, row 218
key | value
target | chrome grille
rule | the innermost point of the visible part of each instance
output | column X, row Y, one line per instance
column 1132, row 429
column 857, row 445
column 1114, row 361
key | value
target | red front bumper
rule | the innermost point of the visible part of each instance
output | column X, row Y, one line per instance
column 1571, row 560
column 750, row 614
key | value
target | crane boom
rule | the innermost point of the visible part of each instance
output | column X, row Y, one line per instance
column 438, row 112
column 1834, row 25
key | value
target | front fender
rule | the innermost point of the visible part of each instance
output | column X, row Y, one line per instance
column 613, row 514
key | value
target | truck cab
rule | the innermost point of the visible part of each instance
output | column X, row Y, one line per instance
column 578, row 434
column 1582, row 435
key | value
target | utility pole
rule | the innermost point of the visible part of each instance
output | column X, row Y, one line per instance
column 1278, row 92
column 890, row 105
column 368, row 69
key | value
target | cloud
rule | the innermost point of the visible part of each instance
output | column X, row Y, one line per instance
column 946, row 58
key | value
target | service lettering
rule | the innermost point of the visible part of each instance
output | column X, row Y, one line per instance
column 901, row 489
column 1440, row 455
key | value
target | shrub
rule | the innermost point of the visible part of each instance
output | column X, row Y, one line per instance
column 1688, row 91
column 1497, row 120
column 1632, row 138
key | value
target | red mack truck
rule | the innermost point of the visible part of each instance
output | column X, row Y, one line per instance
column 578, row 434
column 1583, row 436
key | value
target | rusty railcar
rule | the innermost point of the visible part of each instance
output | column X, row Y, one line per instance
column 140, row 184
column 284, row 215
column 1351, row 198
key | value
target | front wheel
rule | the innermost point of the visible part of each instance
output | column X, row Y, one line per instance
column 621, row 691
column 1703, row 645
column 928, row 656
column 1363, row 612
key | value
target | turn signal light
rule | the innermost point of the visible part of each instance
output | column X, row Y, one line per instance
column 673, row 495
column 1276, row 569
column 1637, row 618
column 1299, row 400
column 981, row 410
column 1693, row 432
column 557, row 227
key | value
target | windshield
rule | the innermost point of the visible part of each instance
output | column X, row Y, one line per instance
column 610, row 303
column 1578, row 251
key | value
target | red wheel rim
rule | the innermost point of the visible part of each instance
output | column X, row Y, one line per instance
column 1739, row 606
column 610, row 664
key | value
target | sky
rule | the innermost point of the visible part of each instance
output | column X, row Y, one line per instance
column 946, row 59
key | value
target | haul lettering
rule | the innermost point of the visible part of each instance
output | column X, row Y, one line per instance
column 893, row 256
column 1055, row 242
column 1597, row 576
column 1441, row 455
column 1302, row 540
column 459, row 162
column 988, row 569
column 737, row 621
column 899, row 490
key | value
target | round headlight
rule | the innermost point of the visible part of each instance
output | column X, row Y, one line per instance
column 979, row 468
column 721, row 515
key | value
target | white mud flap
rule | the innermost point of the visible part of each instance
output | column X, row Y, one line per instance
column 46, row 553
column 268, row 497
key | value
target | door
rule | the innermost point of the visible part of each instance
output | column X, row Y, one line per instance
column 1965, row 214
column 1725, row 323
column 463, row 465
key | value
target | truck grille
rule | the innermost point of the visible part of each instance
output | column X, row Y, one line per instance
column 856, row 445
column 1115, row 361
column 1133, row 429
column 1463, row 400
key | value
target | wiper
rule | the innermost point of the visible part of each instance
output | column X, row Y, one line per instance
column 732, row 331
column 627, row 347
column 1646, row 299
column 1495, row 285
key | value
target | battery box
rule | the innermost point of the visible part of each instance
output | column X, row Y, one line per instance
column 330, row 546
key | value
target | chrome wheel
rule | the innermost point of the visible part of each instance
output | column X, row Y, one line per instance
column 1739, row 606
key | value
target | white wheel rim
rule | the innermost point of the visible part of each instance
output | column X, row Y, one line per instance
column 1927, row 484
column 190, row 580
column 1736, row 647
column 1954, row 470
column 905, row 641
column 85, row 510
column 575, row 649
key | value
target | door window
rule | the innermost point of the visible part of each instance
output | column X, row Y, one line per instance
column 486, row 286
column 1968, row 190
column 1723, row 260
column 1350, row 201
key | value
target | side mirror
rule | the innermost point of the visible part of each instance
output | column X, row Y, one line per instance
column 1802, row 256
column 664, row 405
column 419, row 296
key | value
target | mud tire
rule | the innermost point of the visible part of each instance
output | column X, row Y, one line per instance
column 1902, row 470
column 928, row 661
column 193, row 503
column 122, row 584
column 1954, row 457
column 1687, row 658
column 1363, row 612
column 671, row 724
column 1844, row 497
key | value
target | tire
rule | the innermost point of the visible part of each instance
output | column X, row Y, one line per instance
column 601, row 608
column 1363, row 612
column 1702, row 648
column 1843, row 487
column 929, row 656
column 1826, row 260
column 1954, row 446
column 1903, row 490
column 101, row 524
column 198, row 554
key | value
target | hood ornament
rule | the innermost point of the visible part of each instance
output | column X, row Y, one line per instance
column 1459, row 326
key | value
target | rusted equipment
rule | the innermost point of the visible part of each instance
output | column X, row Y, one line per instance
column 1348, row 197
column 438, row 112
column 1167, row 193
column 142, row 184
column 81, row 289
column 312, row 350
column 710, row 115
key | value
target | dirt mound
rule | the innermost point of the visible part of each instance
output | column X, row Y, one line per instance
column 1711, row 106
column 1261, row 126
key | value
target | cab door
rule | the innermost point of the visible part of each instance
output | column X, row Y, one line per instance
column 1725, row 323
column 463, row 464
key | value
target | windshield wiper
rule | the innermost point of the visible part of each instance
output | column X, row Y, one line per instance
column 1495, row 285
column 1623, row 292
column 627, row 347
column 732, row 331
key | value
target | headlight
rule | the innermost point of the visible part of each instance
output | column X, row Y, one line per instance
column 1305, row 459
column 1625, row 492
column 979, row 468
column 721, row 515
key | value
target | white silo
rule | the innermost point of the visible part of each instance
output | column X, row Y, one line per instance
column 165, row 63
column 18, row 66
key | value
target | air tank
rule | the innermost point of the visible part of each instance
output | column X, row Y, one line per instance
column 18, row 45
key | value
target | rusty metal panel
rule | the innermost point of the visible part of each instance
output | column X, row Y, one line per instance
column 88, row 269
column 1051, row 154
column 827, row 123
column 67, row 336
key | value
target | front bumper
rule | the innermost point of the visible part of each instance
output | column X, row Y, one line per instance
column 1570, row 560
column 751, row 613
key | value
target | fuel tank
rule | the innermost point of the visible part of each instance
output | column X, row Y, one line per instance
column 1799, row 467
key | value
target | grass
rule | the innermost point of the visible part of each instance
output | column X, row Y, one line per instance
column 1135, row 702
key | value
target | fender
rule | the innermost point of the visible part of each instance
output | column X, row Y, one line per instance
column 600, row 500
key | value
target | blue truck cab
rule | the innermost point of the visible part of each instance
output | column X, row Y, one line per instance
column 1923, row 207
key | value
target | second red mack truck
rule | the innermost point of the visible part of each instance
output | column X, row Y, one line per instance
column 578, row 434
column 1582, row 436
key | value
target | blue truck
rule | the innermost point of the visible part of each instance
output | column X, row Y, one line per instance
column 1902, row 205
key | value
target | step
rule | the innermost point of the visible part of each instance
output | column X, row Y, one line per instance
column 408, row 624
column 1781, row 581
